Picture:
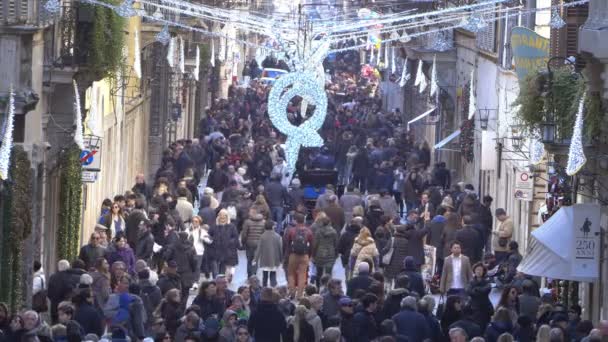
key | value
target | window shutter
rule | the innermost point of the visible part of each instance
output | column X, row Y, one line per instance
column 486, row 38
column 564, row 41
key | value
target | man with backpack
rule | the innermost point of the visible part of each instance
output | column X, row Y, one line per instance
column 298, row 249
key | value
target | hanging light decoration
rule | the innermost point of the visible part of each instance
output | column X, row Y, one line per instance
column 182, row 57
column 212, row 58
column 197, row 65
column 537, row 151
column 393, row 63
column 379, row 57
column 7, row 139
column 405, row 75
column 441, row 43
column 420, row 78
column 371, row 56
column 386, row 56
column 136, row 55
column 434, row 85
column 171, row 52
column 576, row 155
column 405, row 37
column 125, row 9
column 52, row 6
column 472, row 100
column 78, row 133
column 556, row 20
column 164, row 37
column 474, row 23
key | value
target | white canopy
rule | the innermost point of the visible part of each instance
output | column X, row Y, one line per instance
column 420, row 117
column 567, row 246
column 445, row 141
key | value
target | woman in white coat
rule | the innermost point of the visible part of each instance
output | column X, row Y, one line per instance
column 199, row 235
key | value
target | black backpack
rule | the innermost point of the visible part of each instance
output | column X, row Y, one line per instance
column 299, row 244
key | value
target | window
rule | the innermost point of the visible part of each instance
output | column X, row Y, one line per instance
column 486, row 38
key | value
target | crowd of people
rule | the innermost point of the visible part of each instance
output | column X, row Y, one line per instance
column 160, row 244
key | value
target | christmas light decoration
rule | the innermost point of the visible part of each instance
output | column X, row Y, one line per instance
column 164, row 37
column 371, row 56
column 434, row 85
column 7, row 139
column 52, row 6
column 420, row 78
column 556, row 20
column 78, row 133
column 386, row 56
column 91, row 123
column 405, row 38
column 212, row 58
column 125, row 9
column 197, row 65
column 182, row 57
column 136, row 55
column 393, row 63
column 472, row 102
column 474, row 23
column 379, row 57
column 405, row 75
column 537, row 151
column 305, row 85
column 576, row 155
column 171, row 52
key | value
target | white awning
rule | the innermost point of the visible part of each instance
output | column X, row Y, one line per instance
column 567, row 246
column 447, row 140
column 420, row 117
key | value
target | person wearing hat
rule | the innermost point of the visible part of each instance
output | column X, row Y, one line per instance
column 170, row 279
column 296, row 194
column 346, row 314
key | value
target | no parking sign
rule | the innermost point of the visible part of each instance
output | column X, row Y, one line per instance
column 524, row 186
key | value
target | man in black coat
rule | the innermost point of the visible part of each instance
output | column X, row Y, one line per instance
column 470, row 240
column 486, row 220
column 364, row 321
column 62, row 284
column 360, row 282
column 267, row 323
column 170, row 279
column 132, row 222
column 92, row 251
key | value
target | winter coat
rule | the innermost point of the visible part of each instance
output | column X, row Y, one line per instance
column 109, row 223
column 358, row 282
column 504, row 230
column 471, row 327
column 365, row 326
column 89, row 254
column 435, row 235
column 171, row 313
column 125, row 254
column 144, row 248
column 348, row 201
column 411, row 324
column 470, row 242
column 100, row 287
column 496, row 329
column 400, row 251
column 137, row 314
column 253, row 228
column 61, row 284
column 185, row 209
column 336, row 214
column 225, row 243
column 276, row 194
column 528, row 305
column 479, row 291
column 392, row 304
column 209, row 307
column 412, row 189
column 324, row 246
column 218, row 180
column 448, row 235
column 346, row 241
column 383, row 239
column 151, row 297
column 415, row 246
column 89, row 318
column 389, row 206
column 373, row 217
column 269, row 253
column 132, row 225
column 364, row 249
column 183, row 253
column 416, row 283
column 169, row 281
column 267, row 323
column 200, row 238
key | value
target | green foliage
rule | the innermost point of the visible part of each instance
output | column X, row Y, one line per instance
column 107, row 41
column 17, row 226
column 562, row 100
column 70, row 198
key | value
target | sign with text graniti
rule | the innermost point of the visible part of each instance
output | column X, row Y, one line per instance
column 530, row 51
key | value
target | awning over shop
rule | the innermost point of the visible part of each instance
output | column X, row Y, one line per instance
column 420, row 117
column 445, row 141
column 567, row 246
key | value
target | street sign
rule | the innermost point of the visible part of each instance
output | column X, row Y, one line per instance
column 524, row 186
column 90, row 157
column 89, row 176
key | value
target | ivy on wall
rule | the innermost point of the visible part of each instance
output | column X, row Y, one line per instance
column 106, row 41
column 467, row 140
column 561, row 100
column 70, row 198
column 17, row 226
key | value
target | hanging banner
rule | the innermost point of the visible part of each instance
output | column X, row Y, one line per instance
column 530, row 51
column 524, row 186
column 586, row 242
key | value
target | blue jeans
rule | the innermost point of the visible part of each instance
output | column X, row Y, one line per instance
column 277, row 216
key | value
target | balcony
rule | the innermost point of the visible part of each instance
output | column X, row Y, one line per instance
column 23, row 14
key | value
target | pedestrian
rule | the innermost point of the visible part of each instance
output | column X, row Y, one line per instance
column 267, row 323
column 346, row 241
column 410, row 323
column 324, row 247
column 478, row 290
column 199, row 236
column 277, row 198
column 170, row 310
column 364, row 250
column 125, row 310
column 86, row 314
column 364, row 324
column 253, row 228
column 452, row 312
column 90, row 252
column 207, row 300
column 298, row 250
column 501, row 323
column 453, row 222
column 456, row 273
column 502, row 235
column 183, row 253
column 509, row 300
column 101, row 282
column 349, row 200
column 416, row 283
column 435, row 237
column 335, row 213
column 144, row 247
column 114, row 221
column 225, row 244
column 268, row 255
column 133, row 222
column 470, row 239
column 121, row 251
column 169, row 279
column 361, row 281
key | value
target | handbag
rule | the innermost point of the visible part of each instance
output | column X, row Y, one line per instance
column 386, row 258
column 440, row 307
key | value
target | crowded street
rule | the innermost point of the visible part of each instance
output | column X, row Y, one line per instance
column 303, row 171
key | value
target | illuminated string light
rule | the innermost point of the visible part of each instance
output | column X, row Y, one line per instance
column 556, row 20
column 576, row 155
column 405, row 38
column 78, row 133
column 125, row 9
column 164, row 37
column 405, row 75
column 386, row 56
column 52, row 6
column 537, row 151
column 212, row 58
column 136, row 55
column 472, row 100
column 393, row 62
column 7, row 139
column 171, row 52
column 434, row 85
column 182, row 57
column 371, row 56
column 475, row 23
column 420, row 78
column 197, row 65
column 305, row 85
